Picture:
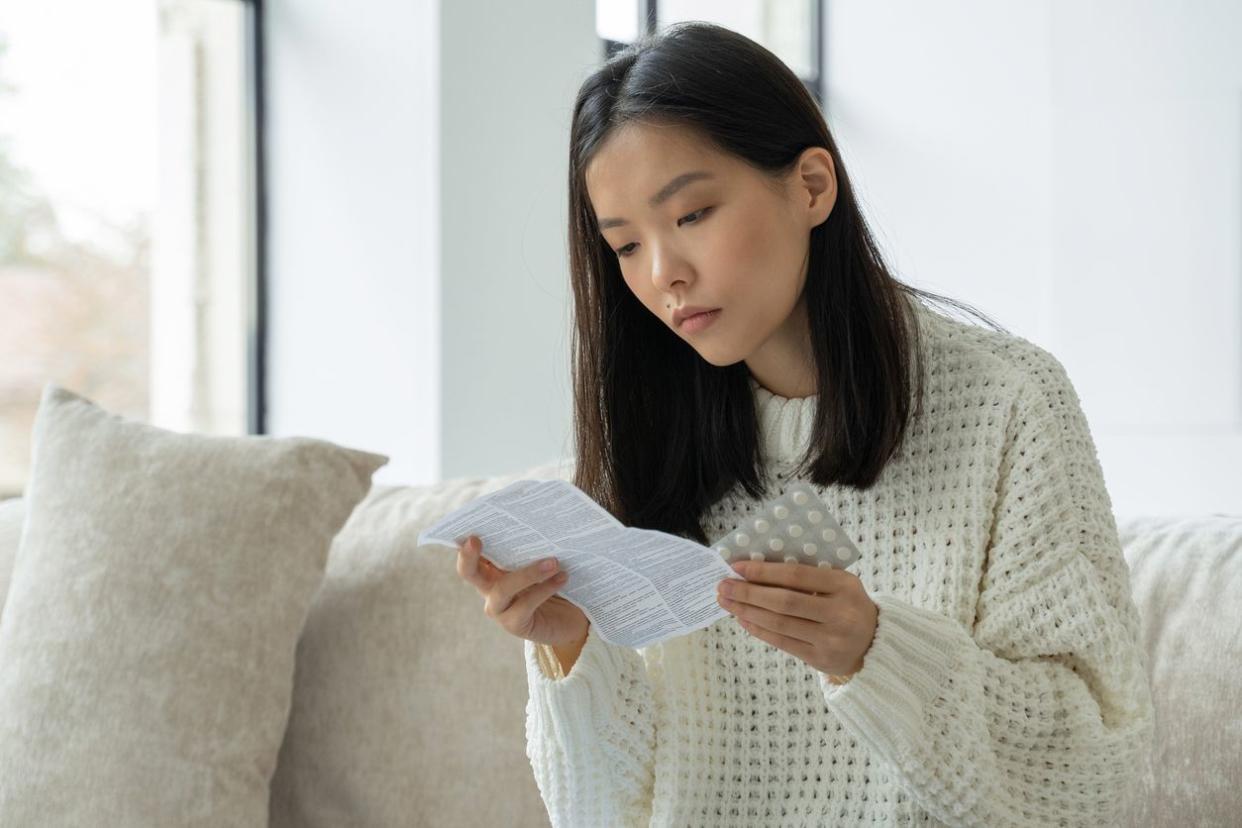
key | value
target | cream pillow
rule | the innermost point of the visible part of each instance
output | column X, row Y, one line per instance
column 157, row 596
column 408, row 703
column 1186, row 578
column 12, row 515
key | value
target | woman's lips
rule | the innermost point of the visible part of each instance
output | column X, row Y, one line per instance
column 696, row 323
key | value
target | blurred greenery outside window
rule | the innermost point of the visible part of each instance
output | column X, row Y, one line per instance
column 126, row 214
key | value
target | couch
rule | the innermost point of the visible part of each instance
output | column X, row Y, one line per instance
column 408, row 704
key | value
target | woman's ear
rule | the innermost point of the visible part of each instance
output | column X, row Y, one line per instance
column 815, row 181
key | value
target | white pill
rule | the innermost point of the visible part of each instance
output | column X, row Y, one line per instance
column 762, row 525
column 843, row 553
column 809, row 549
column 829, row 534
column 794, row 530
column 790, row 559
column 776, row 544
column 742, row 539
column 799, row 498
column 824, row 563
column 756, row 556
column 781, row 512
column 724, row 553
column 814, row 516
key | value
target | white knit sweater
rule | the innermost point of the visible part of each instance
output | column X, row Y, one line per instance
column 1005, row 685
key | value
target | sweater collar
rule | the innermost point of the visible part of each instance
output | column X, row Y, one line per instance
column 784, row 424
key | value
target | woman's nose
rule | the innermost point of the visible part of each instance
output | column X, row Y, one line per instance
column 667, row 268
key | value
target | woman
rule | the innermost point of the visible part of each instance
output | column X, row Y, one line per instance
column 980, row 665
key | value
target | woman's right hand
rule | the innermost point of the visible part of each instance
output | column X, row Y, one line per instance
column 523, row 602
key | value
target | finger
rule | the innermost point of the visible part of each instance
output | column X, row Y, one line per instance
column 798, row 629
column 505, row 590
column 799, row 576
column 472, row 567
column 794, row 646
column 778, row 600
column 526, row 602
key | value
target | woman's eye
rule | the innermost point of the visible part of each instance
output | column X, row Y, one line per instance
column 697, row 212
column 623, row 251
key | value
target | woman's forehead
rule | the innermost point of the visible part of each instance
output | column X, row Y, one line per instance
column 634, row 166
column 636, row 147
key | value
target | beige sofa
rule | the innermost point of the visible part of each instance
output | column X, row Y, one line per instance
column 409, row 704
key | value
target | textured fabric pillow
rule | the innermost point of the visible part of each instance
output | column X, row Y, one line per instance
column 408, row 702
column 148, row 641
column 12, row 515
column 1186, row 578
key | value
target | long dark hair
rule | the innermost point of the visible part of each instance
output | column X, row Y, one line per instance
column 660, row 434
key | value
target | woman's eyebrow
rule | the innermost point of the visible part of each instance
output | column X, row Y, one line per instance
column 666, row 192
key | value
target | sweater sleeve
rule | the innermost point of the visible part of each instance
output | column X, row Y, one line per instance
column 590, row 736
column 1040, row 714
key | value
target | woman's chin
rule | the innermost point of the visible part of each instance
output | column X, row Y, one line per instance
column 717, row 357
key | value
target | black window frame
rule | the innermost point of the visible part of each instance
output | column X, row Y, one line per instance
column 815, row 85
column 257, row 330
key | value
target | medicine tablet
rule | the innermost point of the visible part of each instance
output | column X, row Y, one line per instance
column 782, row 521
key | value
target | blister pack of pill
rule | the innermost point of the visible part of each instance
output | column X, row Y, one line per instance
column 794, row 527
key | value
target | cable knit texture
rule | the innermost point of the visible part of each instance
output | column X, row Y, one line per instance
column 1005, row 685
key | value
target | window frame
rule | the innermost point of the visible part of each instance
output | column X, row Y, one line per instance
column 815, row 85
column 257, row 329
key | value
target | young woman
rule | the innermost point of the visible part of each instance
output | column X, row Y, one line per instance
column 980, row 664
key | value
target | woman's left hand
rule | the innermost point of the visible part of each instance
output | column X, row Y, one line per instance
column 820, row 614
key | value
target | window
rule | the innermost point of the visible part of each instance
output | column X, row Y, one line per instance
column 791, row 29
column 129, row 245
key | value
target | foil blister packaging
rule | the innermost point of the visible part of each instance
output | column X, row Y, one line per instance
column 794, row 527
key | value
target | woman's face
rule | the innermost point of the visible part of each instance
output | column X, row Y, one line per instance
column 727, row 238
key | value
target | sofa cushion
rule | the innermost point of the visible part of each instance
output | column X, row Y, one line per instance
column 12, row 517
column 1186, row 579
column 148, row 638
column 409, row 703
column 444, row 712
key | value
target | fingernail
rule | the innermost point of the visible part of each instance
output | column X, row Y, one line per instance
column 548, row 565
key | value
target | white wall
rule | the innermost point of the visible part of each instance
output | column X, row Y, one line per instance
column 418, row 285
column 1075, row 172
column 510, row 72
column 354, row 228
